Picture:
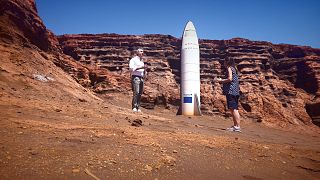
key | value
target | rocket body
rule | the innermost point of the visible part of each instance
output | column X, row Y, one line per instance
column 190, row 71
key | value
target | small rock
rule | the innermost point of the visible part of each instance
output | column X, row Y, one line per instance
column 266, row 147
column 148, row 168
column 33, row 153
column 112, row 161
column 82, row 100
column 75, row 170
column 210, row 147
column 169, row 160
column 175, row 151
column 137, row 123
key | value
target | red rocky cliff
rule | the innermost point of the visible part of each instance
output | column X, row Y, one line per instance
column 279, row 83
column 21, row 24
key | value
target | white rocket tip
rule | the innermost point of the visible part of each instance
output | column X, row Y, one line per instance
column 189, row 26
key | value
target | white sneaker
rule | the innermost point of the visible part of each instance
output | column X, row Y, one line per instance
column 234, row 129
column 134, row 110
column 139, row 110
column 230, row 128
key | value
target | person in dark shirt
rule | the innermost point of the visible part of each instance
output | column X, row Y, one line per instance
column 231, row 90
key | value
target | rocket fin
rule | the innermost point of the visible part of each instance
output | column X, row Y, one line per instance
column 197, row 110
column 179, row 110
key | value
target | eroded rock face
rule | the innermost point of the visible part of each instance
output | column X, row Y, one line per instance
column 111, row 53
column 277, row 81
column 28, row 56
column 20, row 24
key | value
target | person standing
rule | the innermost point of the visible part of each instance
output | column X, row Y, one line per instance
column 137, row 68
column 231, row 90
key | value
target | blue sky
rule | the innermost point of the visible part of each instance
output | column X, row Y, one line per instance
column 277, row 21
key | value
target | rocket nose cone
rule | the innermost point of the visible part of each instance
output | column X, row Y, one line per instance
column 189, row 26
column 189, row 30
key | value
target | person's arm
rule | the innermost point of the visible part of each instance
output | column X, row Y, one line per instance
column 147, row 69
column 229, row 79
column 141, row 67
column 132, row 65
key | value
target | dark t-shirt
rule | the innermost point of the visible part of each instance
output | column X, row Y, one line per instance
column 233, row 86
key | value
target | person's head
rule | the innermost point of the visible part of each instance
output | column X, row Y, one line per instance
column 140, row 52
column 229, row 62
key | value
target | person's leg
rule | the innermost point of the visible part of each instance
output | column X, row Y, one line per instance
column 140, row 93
column 132, row 87
column 232, row 103
column 135, row 89
column 228, row 98
column 235, row 117
column 236, row 114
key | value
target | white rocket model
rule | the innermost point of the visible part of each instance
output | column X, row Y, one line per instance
column 190, row 72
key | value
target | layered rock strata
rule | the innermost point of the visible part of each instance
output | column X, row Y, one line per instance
column 20, row 24
column 279, row 83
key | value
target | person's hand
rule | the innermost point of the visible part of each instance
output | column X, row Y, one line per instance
column 145, row 76
column 141, row 67
column 217, row 80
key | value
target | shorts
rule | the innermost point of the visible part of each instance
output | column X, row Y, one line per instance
column 232, row 101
